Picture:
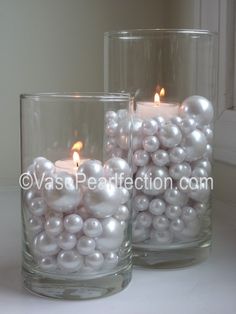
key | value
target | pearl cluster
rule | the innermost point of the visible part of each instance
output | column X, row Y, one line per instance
column 74, row 228
column 177, row 148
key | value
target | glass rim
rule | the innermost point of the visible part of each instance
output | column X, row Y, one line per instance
column 158, row 31
column 79, row 96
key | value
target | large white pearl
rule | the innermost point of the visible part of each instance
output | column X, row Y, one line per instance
column 170, row 135
column 117, row 168
column 151, row 144
column 111, row 260
column 111, row 115
column 35, row 224
column 125, row 196
column 160, row 158
column 160, row 223
column 177, row 225
column 112, row 236
column 69, row 261
column 73, row 223
column 198, row 108
column 141, row 158
column 63, row 199
column 188, row 214
column 149, row 127
column 37, row 206
column 94, row 260
column 43, row 167
column 176, row 120
column 200, row 191
column 92, row 227
column 45, row 245
column 140, row 202
column 162, row 237
column 177, row 155
column 157, row 206
column 174, row 196
column 111, row 128
column 154, row 179
column 47, row 263
column 144, row 220
column 177, row 171
column 103, row 201
column 188, row 125
column 194, row 145
column 203, row 163
column 53, row 225
column 173, row 211
column 86, row 245
column 91, row 169
column 66, row 241
column 122, row 213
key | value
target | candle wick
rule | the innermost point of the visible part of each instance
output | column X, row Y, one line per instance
column 77, row 164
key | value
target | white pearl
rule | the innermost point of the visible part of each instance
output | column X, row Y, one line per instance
column 173, row 212
column 188, row 125
column 174, row 196
column 111, row 115
column 117, row 168
column 154, row 179
column 31, row 194
column 122, row 213
column 111, row 260
column 86, row 245
column 199, row 192
column 92, row 227
column 111, row 128
column 110, row 144
column 35, row 224
column 170, row 135
column 151, row 143
column 141, row 158
column 47, row 263
column 141, row 202
column 149, row 127
column 192, row 229
column 160, row 157
column 94, row 260
column 189, row 214
column 176, row 120
column 203, row 163
column 160, row 223
column 208, row 152
column 162, row 237
column 177, row 171
column 116, row 152
column 177, row 154
column 177, row 225
column 200, row 208
column 160, row 120
column 73, row 223
column 69, row 261
column 124, row 132
column 63, row 199
column 199, row 172
column 37, row 206
column 140, row 234
column 137, row 143
column 53, row 225
column 125, row 196
column 45, row 245
column 67, row 241
column 157, row 206
column 199, row 108
column 209, row 134
column 122, row 114
column 103, row 201
column 43, row 167
column 144, row 220
column 195, row 145
column 112, row 236
column 91, row 169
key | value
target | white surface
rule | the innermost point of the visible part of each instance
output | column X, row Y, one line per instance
column 209, row 287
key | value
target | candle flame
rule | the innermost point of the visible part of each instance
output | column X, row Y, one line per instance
column 162, row 92
column 76, row 158
column 77, row 146
column 157, row 97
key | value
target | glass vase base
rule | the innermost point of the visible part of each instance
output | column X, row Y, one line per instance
column 77, row 289
column 172, row 258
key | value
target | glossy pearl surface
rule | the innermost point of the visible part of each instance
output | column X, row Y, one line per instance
column 117, row 168
column 177, row 171
column 111, row 260
column 177, row 154
column 173, row 211
column 92, row 227
column 195, row 145
column 141, row 202
column 141, row 158
column 47, row 263
column 160, row 223
column 122, row 213
column 53, row 226
column 94, row 260
column 69, row 261
column 45, row 245
column 144, row 220
column 160, row 157
column 157, row 206
column 66, row 241
column 175, row 197
column 149, row 127
column 73, row 223
column 170, row 135
column 86, row 245
column 151, row 144
column 91, row 168
column 37, row 206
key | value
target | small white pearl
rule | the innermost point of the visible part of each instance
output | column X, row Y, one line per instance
column 160, row 223
column 140, row 234
column 111, row 128
column 175, row 197
column 144, row 220
column 170, row 135
column 53, row 226
column 47, row 263
column 141, row 202
column 162, row 237
column 173, row 211
column 45, row 245
column 111, row 260
column 157, row 206
column 69, row 261
column 177, row 154
column 35, row 224
column 141, row 158
column 37, row 206
column 125, row 196
column 149, row 127
column 151, row 143
column 200, row 208
column 110, row 144
column 67, row 241
column 189, row 214
column 86, row 245
column 92, row 227
column 160, row 158
column 188, row 125
column 73, row 223
column 203, row 163
column 177, row 225
column 209, row 134
column 160, row 120
column 122, row 213
column 209, row 152
column 43, row 167
column 116, row 152
column 178, row 171
column 176, row 120
column 199, row 173
column 111, row 115
column 94, row 260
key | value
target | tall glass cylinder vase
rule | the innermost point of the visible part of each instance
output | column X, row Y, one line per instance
column 76, row 216
column 172, row 76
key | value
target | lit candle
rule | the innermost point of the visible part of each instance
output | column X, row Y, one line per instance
column 148, row 109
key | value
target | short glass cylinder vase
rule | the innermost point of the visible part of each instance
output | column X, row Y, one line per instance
column 172, row 76
column 76, row 216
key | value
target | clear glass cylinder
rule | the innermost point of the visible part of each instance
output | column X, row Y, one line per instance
column 76, row 218
column 172, row 76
